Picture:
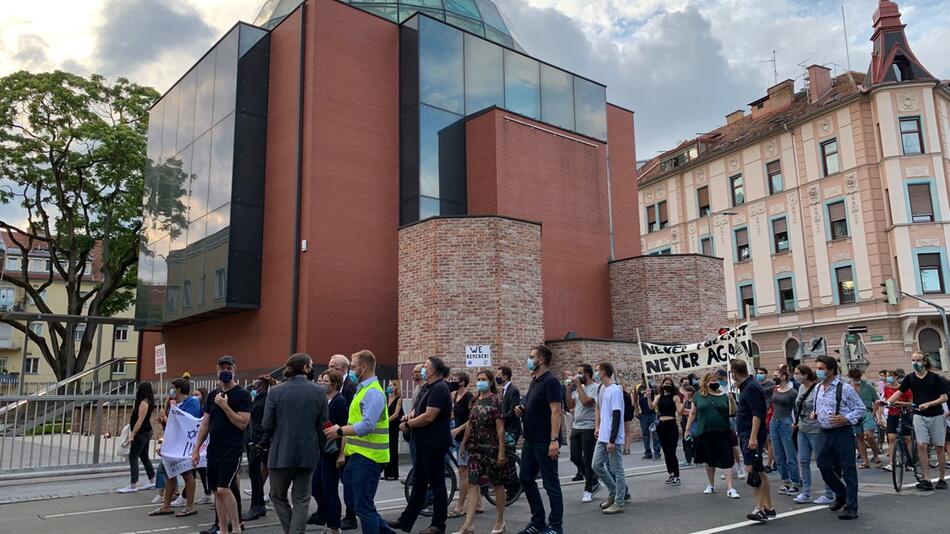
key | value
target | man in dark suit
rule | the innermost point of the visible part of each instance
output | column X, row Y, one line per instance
column 510, row 399
column 293, row 425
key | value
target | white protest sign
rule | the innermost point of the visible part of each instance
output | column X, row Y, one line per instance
column 161, row 364
column 716, row 352
column 478, row 356
column 181, row 433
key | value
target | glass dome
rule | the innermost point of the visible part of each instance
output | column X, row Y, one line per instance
column 480, row 17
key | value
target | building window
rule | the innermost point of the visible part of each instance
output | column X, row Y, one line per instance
column 706, row 246
column 779, row 235
column 737, row 188
column 79, row 331
column 32, row 366
column 792, row 349
column 742, row 244
column 746, row 301
column 186, row 293
column 930, row 344
column 837, row 220
column 37, row 328
column 912, row 139
column 220, row 281
column 3, row 366
column 844, row 281
column 786, row 295
column 661, row 252
column 931, row 273
column 122, row 333
column 829, row 157
column 13, row 262
column 774, row 172
column 118, row 368
column 7, row 298
column 657, row 217
column 921, row 203
column 702, row 196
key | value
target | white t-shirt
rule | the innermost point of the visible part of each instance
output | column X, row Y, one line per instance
column 611, row 398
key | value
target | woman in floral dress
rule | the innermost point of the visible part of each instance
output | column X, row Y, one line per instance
column 485, row 442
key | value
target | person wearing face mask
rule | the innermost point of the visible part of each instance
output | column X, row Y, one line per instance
column 810, row 438
column 712, row 442
column 226, row 415
column 895, row 416
column 541, row 417
column 768, row 385
column 752, row 431
column 929, row 422
column 780, row 432
column 257, row 448
column 341, row 364
column 394, row 398
column 487, row 452
column 582, row 398
column 461, row 409
column 866, row 428
column 140, row 426
column 667, row 404
column 607, row 462
column 180, row 396
column 327, row 490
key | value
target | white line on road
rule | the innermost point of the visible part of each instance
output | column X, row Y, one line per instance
column 86, row 512
column 747, row 523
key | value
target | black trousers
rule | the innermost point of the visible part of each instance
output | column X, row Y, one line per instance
column 255, row 460
column 428, row 473
column 669, row 436
column 582, row 453
column 138, row 451
column 392, row 468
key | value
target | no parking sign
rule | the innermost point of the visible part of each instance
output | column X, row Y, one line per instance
column 478, row 356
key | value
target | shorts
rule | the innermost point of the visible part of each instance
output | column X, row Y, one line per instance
column 865, row 425
column 461, row 454
column 223, row 470
column 753, row 457
column 932, row 430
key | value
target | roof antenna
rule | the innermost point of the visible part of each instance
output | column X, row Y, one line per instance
column 804, row 71
column 774, row 67
column 847, row 49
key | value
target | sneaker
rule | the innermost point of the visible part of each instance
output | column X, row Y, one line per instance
column 549, row 530
column 824, row 499
column 646, row 457
column 802, row 498
column 657, row 458
column 248, row 493
column 531, row 529
column 613, row 509
column 686, row 464
column 150, row 484
column 131, row 488
column 732, row 494
column 587, row 497
column 925, row 485
column 785, row 490
column 179, row 502
column 158, row 499
column 741, row 475
column 670, row 480
column 941, row 484
column 578, row 477
column 204, row 499
column 770, row 513
column 709, row 490
column 759, row 516
column 676, row 482
column 607, row 503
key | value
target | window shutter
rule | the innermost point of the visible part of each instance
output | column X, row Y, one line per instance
column 663, row 211
column 773, row 168
column 928, row 260
column 844, row 275
column 779, row 226
column 785, row 284
column 651, row 215
column 745, row 292
column 920, row 202
column 742, row 237
column 836, row 211
column 703, row 196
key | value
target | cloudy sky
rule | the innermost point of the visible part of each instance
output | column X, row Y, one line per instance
column 681, row 65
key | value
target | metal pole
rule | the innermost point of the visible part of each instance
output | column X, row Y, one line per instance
column 26, row 342
column 95, row 376
column 97, row 431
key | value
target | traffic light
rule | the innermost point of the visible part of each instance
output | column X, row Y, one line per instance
column 890, row 291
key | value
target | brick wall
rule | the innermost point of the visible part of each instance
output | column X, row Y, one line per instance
column 677, row 298
column 470, row 281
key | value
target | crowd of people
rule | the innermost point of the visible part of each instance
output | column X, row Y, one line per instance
column 310, row 432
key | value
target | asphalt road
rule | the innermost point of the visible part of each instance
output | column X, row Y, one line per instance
column 655, row 507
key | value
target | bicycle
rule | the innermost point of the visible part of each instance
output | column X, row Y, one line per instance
column 513, row 487
column 904, row 458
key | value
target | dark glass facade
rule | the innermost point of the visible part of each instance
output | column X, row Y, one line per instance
column 448, row 74
column 204, row 186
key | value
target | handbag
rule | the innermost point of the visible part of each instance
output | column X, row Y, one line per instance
column 125, row 446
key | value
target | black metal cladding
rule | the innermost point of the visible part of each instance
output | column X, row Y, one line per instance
column 204, row 192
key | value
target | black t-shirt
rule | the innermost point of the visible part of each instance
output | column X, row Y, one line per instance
column 536, row 418
column 925, row 389
column 437, row 433
column 338, row 410
column 461, row 412
column 225, row 438
column 752, row 403
column 256, row 433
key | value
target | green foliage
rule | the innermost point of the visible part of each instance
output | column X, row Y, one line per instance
column 73, row 150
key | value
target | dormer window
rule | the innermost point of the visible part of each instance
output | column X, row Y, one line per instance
column 902, row 69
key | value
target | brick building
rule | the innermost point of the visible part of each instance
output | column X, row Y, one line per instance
column 383, row 176
column 815, row 198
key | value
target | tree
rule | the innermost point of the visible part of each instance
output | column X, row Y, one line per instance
column 72, row 150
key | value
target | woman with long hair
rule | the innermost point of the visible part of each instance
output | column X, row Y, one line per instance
column 667, row 404
column 810, row 438
column 712, row 439
column 487, row 451
column 780, row 431
column 328, row 492
column 461, row 410
column 395, row 415
column 140, row 434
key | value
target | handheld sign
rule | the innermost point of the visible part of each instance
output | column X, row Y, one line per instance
column 161, row 364
column 478, row 356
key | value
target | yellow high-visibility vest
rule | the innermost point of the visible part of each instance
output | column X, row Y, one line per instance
column 374, row 445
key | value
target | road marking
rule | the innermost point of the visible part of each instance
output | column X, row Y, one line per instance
column 87, row 512
column 747, row 523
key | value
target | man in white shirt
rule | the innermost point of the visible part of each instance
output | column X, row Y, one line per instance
column 608, row 464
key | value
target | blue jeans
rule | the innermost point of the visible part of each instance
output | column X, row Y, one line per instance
column 361, row 476
column 534, row 457
column 781, row 433
column 837, row 456
column 808, row 444
column 646, row 420
column 609, row 468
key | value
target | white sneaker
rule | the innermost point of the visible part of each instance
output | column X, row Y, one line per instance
column 722, row 477
column 802, row 498
column 732, row 494
column 131, row 488
column 741, row 475
column 709, row 490
column 150, row 484
column 204, row 499
column 180, row 502
column 588, row 497
column 824, row 500
column 158, row 499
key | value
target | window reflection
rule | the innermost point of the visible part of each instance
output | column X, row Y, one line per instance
column 431, row 121
column 204, row 98
column 170, row 123
column 428, row 207
column 225, row 75
column 222, row 163
column 462, row 7
column 216, row 252
column 557, row 97
column 186, row 110
column 440, row 66
column 153, row 150
column 590, row 108
column 522, row 87
column 200, row 177
column 159, row 278
column 490, row 15
column 466, row 24
column 194, row 265
column 484, row 84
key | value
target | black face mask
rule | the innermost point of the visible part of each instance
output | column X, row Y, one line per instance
column 454, row 386
column 498, row 380
column 714, row 386
column 668, row 389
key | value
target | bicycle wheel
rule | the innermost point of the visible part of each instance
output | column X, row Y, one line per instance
column 451, row 488
column 407, row 487
column 897, row 467
column 513, row 488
